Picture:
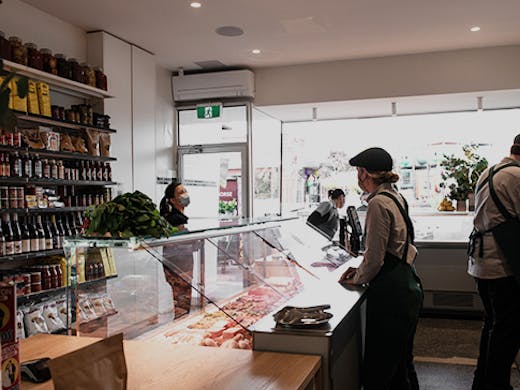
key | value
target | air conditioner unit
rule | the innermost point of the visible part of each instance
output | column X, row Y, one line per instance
column 230, row 84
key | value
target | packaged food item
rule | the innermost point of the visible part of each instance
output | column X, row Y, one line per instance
column 109, row 305
column 10, row 349
column 98, row 305
column 63, row 66
column 34, row 57
column 66, row 143
column 18, row 51
column 90, row 75
column 44, row 98
column 101, row 79
column 20, row 328
column 79, row 144
column 63, row 311
column 52, row 318
column 76, row 70
column 32, row 138
column 93, row 142
column 34, row 321
column 33, row 104
column 86, row 309
column 104, row 145
column 18, row 103
column 105, row 358
column 51, row 139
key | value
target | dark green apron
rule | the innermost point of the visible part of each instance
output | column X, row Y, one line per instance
column 394, row 299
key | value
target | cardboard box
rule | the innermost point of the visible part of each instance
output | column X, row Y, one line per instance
column 10, row 349
column 44, row 98
column 18, row 103
column 33, row 104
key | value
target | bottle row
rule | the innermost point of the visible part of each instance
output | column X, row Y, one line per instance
column 35, row 197
column 36, row 279
column 33, row 167
column 35, row 233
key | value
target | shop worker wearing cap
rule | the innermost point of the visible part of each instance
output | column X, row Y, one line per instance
column 394, row 294
column 494, row 262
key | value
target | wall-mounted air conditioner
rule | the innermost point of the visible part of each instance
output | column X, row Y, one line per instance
column 202, row 86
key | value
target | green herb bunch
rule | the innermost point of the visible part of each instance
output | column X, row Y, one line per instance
column 128, row 215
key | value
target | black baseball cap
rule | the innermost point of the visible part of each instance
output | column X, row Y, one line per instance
column 373, row 160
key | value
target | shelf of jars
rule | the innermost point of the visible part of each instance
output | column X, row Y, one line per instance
column 40, row 210
column 54, row 182
column 60, row 84
column 56, row 154
column 62, row 124
column 31, row 255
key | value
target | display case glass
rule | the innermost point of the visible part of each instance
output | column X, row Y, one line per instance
column 205, row 287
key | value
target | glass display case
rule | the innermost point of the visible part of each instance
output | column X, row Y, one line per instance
column 211, row 286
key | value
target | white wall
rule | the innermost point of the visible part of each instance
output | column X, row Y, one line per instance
column 484, row 69
column 33, row 25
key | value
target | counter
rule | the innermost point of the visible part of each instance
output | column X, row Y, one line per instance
column 153, row 365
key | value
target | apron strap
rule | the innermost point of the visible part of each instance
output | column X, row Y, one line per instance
column 507, row 215
column 410, row 234
column 509, row 164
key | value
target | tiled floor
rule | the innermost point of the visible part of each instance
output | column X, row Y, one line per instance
column 446, row 351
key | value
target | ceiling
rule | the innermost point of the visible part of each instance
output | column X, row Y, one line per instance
column 293, row 31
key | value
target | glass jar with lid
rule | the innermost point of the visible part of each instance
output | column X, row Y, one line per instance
column 76, row 70
column 34, row 57
column 5, row 47
column 84, row 68
column 90, row 76
column 101, row 78
column 49, row 61
column 18, row 51
column 63, row 66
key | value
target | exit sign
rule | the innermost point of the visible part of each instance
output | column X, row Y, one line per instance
column 208, row 112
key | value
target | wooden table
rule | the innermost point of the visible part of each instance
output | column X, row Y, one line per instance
column 156, row 365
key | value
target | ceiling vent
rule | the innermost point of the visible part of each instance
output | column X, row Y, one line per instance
column 211, row 64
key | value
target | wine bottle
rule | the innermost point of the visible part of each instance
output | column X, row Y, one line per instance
column 41, row 234
column 49, row 243
column 17, row 234
column 16, row 166
column 27, row 166
column 2, row 241
column 46, row 169
column 38, row 168
column 26, row 236
column 57, row 235
column 8, row 234
column 35, row 242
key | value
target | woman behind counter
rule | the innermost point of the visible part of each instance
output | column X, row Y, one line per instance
column 325, row 218
column 178, row 259
column 394, row 295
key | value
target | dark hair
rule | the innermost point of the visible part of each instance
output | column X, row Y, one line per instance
column 169, row 192
column 515, row 149
column 335, row 194
column 384, row 177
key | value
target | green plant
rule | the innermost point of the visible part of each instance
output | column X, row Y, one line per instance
column 460, row 174
column 7, row 117
column 227, row 207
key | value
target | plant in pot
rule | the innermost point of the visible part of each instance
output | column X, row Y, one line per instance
column 8, row 117
column 460, row 175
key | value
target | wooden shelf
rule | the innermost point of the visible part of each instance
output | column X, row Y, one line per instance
column 55, row 182
column 31, row 255
column 43, row 210
column 57, row 154
column 58, row 83
column 45, row 120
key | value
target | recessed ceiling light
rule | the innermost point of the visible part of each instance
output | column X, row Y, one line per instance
column 256, row 51
column 195, row 5
column 474, row 29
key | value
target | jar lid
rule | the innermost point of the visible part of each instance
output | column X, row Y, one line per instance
column 15, row 39
column 72, row 60
column 84, row 64
column 59, row 55
column 46, row 51
column 31, row 45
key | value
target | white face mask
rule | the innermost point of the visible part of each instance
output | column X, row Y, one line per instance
column 184, row 200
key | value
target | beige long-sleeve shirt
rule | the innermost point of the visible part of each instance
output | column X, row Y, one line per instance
column 385, row 231
column 492, row 264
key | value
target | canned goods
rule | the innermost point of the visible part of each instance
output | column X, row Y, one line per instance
column 36, row 287
column 12, row 191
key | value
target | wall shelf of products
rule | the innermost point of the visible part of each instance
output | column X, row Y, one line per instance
column 31, row 255
column 44, row 210
column 60, row 84
column 64, row 125
column 56, row 154
column 54, row 182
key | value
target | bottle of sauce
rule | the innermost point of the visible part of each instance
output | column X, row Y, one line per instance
column 46, row 278
column 17, row 235
column 54, row 276
column 50, row 64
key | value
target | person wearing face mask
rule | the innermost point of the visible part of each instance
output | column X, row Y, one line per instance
column 325, row 218
column 394, row 294
column 178, row 258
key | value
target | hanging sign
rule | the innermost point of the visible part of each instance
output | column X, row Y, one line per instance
column 209, row 111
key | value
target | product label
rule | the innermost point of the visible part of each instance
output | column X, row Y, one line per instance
column 48, row 243
column 41, row 243
column 17, row 247
column 35, row 246
column 9, row 248
column 26, row 245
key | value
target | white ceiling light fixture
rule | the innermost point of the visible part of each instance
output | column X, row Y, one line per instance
column 474, row 29
column 480, row 105
column 394, row 109
column 256, row 51
column 195, row 4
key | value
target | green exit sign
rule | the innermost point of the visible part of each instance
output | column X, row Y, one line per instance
column 208, row 112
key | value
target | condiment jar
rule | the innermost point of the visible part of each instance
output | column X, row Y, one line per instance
column 76, row 70
column 18, row 51
column 101, row 79
column 63, row 66
column 49, row 61
column 90, row 76
column 84, row 69
column 5, row 47
column 34, row 57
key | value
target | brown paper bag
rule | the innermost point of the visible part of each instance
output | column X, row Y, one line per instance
column 97, row 366
column 104, row 145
